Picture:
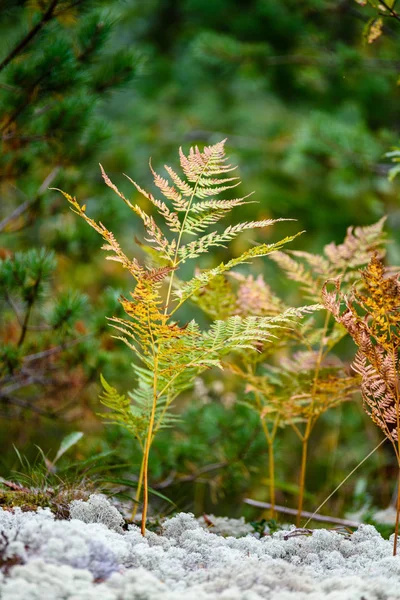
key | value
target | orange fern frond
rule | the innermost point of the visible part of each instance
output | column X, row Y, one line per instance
column 371, row 315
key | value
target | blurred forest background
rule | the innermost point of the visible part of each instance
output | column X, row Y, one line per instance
column 306, row 91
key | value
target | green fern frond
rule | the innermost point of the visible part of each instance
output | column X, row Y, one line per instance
column 122, row 413
column 199, row 281
column 297, row 272
column 200, row 222
column 238, row 333
column 224, row 205
column 202, row 245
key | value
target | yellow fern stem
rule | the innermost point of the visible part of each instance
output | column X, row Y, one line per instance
column 396, row 529
column 149, row 439
column 138, row 491
column 304, row 450
column 271, row 471
column 270, row 439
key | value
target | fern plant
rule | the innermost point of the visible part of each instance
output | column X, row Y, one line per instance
column 244, row 295
column 172, row 355
column 306, row 380
column 371, row 315
column 282, row 381
column 328, row 384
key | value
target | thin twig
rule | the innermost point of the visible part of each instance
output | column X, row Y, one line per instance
column 24, row 404
column 56, row 349
column 304, row 513
column 47, row 16
column 393, row 13
column 22, row 208
column 170, row 480
column 345, row 479
column 16, row 213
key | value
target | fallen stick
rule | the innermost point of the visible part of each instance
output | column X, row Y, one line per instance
column 304, row 513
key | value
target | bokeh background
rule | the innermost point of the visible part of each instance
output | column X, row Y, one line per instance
column 309, row 102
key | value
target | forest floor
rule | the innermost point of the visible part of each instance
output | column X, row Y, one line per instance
column 92, row 556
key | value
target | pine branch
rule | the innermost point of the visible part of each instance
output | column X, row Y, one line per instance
column 47, row 16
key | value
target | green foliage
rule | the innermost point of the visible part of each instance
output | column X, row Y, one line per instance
column 306, row 105
column 54, row 70
column 309, row 107
column 57, row 65
column 37, row 332
column 43, row 484
column 122, row 411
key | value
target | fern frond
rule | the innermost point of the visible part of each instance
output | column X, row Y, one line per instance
column 224, row 205
column 255, row 297
column 297, row 272
column 187, row 289
column 142, row 398
column 372, row 317
column 217, row 299
column 184, row 189
column 341, row 260
column 172, row 356
column 359, row 245
column 319, row 265
column 154, row 233
column 198, row 166
column 111, row 243
column 238, row 333
column 122, row 412
column 171, row 218
column 201, row 245
column 198, row 223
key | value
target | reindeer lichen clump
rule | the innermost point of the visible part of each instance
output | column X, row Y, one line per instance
column 171, row 355
column 371, row 315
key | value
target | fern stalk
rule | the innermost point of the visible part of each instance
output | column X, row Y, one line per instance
column 270, row 439
column 147, row 450
column 178, row 244
column 396, row 527
column 310, row 423
column 138, row 491
column 371, row 315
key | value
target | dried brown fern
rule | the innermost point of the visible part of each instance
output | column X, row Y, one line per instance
column 295, row 391
column 343, row 260
column 371, row 315
column 311, row 271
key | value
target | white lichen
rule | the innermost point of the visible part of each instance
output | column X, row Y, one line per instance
column 225, row 526
column 96, row 509
column 74, row 560
column 386, row 516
